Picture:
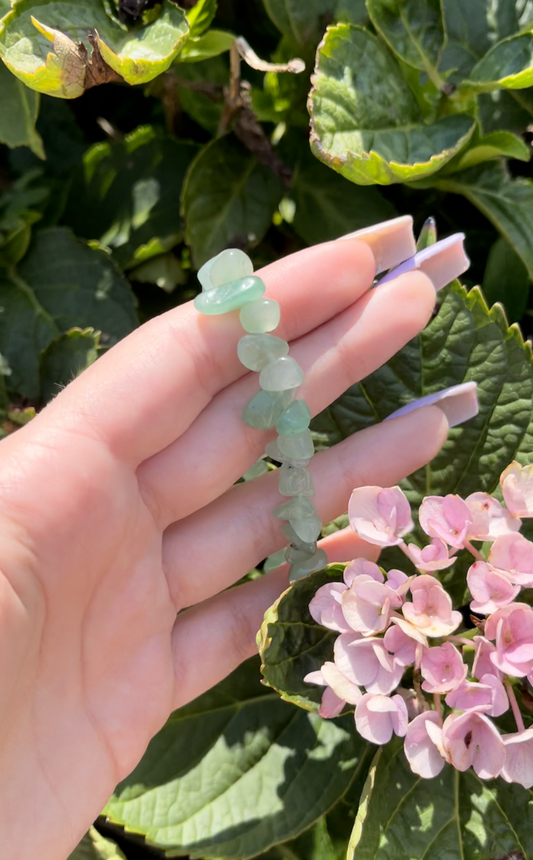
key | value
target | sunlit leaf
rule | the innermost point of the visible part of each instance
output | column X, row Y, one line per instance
column 365, row 121
column 18, row 115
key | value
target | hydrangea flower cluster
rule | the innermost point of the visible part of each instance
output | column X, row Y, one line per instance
column 389, row 623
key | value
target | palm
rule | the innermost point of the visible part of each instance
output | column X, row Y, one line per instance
column 113, row 521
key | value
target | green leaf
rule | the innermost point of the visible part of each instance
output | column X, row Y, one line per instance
column 474, row 27
column 506, row 280
column 130, row 191
column 200, row 17
column 18, row 116
column 199, row 90
column 509, row 110
column 465, row 341
column 305, row 23
column 291, row 643
column 455, row 815
column 328, row 839
column 487, row 148
column 40, row 43
column 93, row 846
column 213, row 43
column 164, row 271
column 327, row 206
column 228, row 199
column 60, row 284
column 506, row 202
column 508, row 65
column 65, row 358
column 365, row 121
column 236, row 772
column 414, row 30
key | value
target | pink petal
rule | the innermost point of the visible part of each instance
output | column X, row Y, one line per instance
column 482, row 663
column 362, row 566
column 373, row 718
column 489, row 518
column 517, row 487
column 500, row 701
column 331, row 704
column 490, row 588
column 420, row 750
column 341, row 686
column 325, row 607
column 401, row 645
column 399, row 716
column 518, row 766
column 356, row 659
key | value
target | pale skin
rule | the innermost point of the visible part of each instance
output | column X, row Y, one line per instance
column 117, row 510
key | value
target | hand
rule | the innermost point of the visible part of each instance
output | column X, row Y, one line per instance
column 118, row 510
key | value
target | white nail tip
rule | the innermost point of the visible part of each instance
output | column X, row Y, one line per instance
column 441, row 262
column 459, row 403
column 391, row 242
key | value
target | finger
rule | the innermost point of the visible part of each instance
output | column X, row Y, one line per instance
column 218, row 448
column 142, row 394
column 222, row 630
column 345, row 545
column 234, row 533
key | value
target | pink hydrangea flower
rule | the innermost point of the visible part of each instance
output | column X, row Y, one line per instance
column 402, row 646
column 367, row 663
column 366, row 605
column 398, row 582
column 491, row 588
column 483, row 664
column 489, row 518
column 442, row 668
column 421, row 751
column 431, row 610
column 514, row 554
column 362, row 567
column 435, row 556
column 380, row 516
column 516, row 482
column 488, row 696
column 472, row 740
column 518, row 765
column 378, row 717
column 326, row 607
column 339, row 690
column 512, row 628
column 447, row 518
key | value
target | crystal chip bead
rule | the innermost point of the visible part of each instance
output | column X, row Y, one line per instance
column 255, row 351
column 230, row 297
column 295, row 481
column 275, row 560
column 302, row 567
column 281, row 374
column 299, row 446
column 260, row 316
column 294, row 508
column 264, row 409
column 295, row 418
column 230, row 265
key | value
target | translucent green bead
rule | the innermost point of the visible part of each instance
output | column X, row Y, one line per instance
column 299, row 446
column 297, row 545
column 259, row 468
column 307, row 528
column 295, row 481
column 294, row 419
column 255, row 351
column 294, row 508
column 230, row 297
column 281, row 374
column 230, row 265
column 275, row 560
column 264, row 409
column 203, row 274
column 274, row 453
column 260, row 316
column 303, row 567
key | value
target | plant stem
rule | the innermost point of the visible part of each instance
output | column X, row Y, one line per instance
column 475, row 552
column 438, row 706
column 514, row 705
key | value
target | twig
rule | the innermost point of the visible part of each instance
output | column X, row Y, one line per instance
column 295, row 66
column 514, row 705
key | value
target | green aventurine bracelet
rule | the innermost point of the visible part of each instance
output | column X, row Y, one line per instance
column 228, row 284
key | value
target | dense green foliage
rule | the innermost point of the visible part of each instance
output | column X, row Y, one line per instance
column 130, row 154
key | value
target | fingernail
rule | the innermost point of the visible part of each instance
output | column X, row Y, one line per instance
column 391, row 242
column 441, row 262
column 459, row 403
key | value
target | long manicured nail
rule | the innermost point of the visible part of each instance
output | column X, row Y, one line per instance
column 391, row 242
column 459, row 403
column 441, row 262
